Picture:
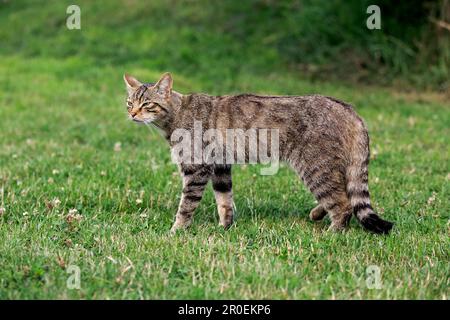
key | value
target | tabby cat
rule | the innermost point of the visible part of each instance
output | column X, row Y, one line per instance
column 322, row 138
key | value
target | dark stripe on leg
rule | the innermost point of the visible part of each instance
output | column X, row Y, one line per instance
column 197, row 183
column 192, row 198
column 222, row 186
column 222, row 170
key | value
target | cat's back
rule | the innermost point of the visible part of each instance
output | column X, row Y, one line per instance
column 245, row 100
column 253, row 110
column 313, row 106
column 299, row 102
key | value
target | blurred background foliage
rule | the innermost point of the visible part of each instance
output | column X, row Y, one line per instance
column 216, row 40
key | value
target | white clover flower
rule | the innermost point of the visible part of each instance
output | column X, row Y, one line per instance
column 118, row 147
column 56, row 202
column 73, row 215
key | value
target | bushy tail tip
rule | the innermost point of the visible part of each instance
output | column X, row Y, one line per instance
column 372, row 222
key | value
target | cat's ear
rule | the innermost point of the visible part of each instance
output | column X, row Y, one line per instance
column 131, row 83
column 164, row 85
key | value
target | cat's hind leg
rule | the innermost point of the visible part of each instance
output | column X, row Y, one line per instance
column 308, row 174
column 340, row 211
column 328, row 187
column 222, row 185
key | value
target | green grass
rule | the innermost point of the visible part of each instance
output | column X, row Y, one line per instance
column 63, row 112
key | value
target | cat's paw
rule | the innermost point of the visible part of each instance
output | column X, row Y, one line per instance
column 318, row 213
column 226, row 225
column 173, row 230
column 227, row 221
column 179, row 226
column 337, row 228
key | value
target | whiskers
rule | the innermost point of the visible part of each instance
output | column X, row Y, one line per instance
column 152, row 125
column 149, row 123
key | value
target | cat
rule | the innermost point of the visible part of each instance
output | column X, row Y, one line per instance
column 322, row 138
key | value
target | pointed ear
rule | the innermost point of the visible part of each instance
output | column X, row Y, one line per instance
column 131, row 83
column 164, row 85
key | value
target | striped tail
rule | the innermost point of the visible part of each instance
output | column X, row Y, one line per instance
column 358, row 193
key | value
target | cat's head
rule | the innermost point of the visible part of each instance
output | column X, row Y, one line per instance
column 149, row 102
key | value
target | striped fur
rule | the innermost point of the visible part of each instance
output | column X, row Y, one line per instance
column 322, row 138
column 222, row 186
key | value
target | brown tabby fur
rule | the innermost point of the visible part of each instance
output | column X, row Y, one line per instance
column 322, row 138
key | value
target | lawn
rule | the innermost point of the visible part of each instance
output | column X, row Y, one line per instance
column 84, row 188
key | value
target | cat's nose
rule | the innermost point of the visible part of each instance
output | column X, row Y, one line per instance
column 133, row 114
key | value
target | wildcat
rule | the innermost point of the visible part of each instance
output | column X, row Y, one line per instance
column 322, row 138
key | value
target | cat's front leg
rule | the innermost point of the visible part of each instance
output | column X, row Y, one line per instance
column 222, row 185
column 195, row 179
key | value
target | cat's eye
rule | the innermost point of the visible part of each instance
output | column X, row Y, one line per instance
column 149, row 109
column 149, row 106
column 129, row 104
